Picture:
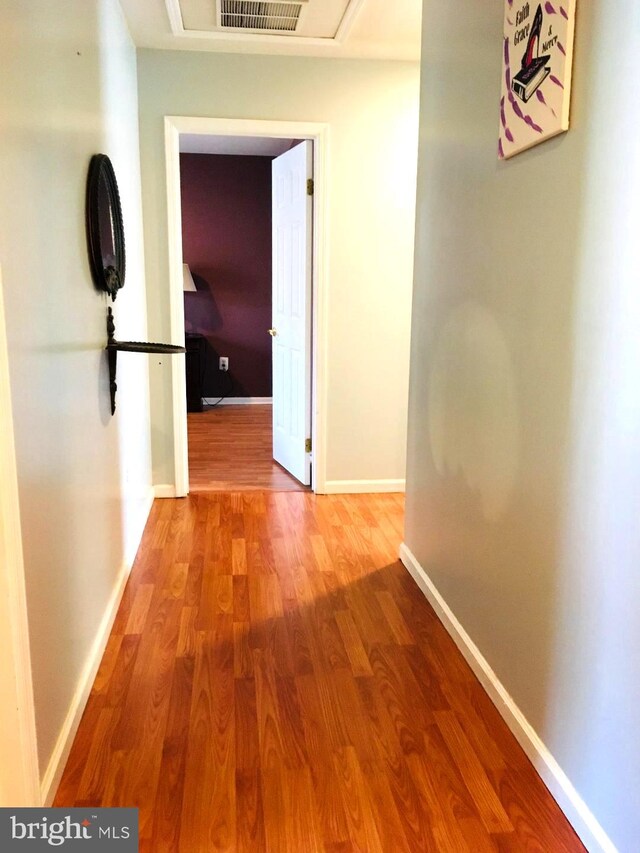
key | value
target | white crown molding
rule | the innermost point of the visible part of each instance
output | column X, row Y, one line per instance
column 348, row 19
column 175, row 17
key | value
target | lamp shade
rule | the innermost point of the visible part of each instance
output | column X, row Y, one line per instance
column 188, row 284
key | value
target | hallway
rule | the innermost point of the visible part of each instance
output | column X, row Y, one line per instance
column 276, row 681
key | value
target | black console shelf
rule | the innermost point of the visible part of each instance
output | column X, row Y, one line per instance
column 114, row 347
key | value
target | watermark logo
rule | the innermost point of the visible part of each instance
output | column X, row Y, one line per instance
column 36, row 830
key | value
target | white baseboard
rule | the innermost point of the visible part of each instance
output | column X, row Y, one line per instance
column 165, row 490
column 237, row 401
column 136, row 537
column 60, row 754
column 576, row 810
column 362, row 487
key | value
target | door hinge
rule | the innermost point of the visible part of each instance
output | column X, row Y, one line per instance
column 307, row 446
column 310, row 186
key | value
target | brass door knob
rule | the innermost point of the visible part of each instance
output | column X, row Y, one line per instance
column 273, row 332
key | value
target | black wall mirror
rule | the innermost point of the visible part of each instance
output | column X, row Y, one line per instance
column 105, row 232
column 105, row 238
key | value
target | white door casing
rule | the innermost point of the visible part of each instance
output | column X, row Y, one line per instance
column 292, row 235
column 319, row 134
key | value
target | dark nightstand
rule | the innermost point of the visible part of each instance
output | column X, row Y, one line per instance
column 194, row 366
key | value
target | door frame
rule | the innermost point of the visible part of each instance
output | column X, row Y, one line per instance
column 318, row 133
column 19, row 774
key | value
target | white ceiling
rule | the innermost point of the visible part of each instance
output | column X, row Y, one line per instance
column 195, row 143
column 375, row 29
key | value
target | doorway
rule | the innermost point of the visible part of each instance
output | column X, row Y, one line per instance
column 299, row 385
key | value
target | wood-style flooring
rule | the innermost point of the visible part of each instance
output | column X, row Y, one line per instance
column 230, row 449
column 276, row 681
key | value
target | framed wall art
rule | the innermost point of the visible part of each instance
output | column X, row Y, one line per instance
column 536, row 73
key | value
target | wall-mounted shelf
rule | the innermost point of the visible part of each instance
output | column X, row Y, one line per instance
column 114, row 346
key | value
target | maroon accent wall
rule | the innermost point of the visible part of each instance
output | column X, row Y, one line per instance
column 226, row 240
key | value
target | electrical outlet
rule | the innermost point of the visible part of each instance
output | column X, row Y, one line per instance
column 223, row 364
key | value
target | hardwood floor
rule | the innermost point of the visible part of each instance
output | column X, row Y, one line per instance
column 276, row 681
column 230, row 449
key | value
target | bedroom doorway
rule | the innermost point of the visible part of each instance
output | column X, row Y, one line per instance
column 247, row 438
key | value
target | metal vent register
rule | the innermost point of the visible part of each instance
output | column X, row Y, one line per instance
column 252, row 15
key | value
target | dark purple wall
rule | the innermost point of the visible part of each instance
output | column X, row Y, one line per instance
column 226, row 240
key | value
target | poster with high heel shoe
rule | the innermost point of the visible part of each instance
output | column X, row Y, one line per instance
column 536, row 73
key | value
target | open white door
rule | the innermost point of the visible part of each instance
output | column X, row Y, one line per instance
column 292, row 204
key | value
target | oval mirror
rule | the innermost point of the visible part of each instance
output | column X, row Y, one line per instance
column 105, row 232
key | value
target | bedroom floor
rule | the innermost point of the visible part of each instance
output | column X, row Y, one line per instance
column 230, row 449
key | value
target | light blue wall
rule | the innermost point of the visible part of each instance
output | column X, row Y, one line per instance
column 69, row 90
column 524, row 424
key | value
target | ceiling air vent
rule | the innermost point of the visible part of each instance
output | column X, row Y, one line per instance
column 252, row 15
